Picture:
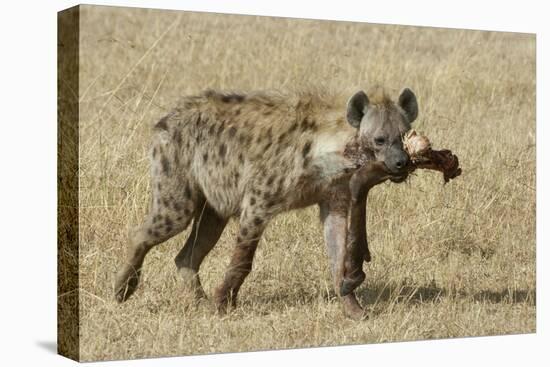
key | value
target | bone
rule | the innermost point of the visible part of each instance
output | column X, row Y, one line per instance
column 421, row 154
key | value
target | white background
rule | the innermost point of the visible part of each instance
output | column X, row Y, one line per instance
column 28, row 181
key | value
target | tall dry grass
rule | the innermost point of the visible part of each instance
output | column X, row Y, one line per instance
column 448, row 261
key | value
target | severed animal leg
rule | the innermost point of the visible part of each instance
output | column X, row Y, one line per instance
column 357, row 251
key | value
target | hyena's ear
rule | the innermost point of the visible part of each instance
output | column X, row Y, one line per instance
column 407, row 101
column 357, row 108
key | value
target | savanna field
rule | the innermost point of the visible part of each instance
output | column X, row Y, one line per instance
column 448, row 260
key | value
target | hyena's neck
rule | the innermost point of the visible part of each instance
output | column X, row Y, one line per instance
column 328, row 151
column 357, row 152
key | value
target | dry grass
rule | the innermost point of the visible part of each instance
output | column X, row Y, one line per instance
column 449, row 261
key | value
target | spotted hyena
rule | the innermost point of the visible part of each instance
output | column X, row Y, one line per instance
column 252, row 156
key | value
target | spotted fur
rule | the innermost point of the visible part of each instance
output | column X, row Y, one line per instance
column 220, row 155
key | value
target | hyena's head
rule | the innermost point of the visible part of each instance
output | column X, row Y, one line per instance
column 382, row 124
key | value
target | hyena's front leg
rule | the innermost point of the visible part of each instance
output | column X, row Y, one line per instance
column 335, row 222
column 357, row 249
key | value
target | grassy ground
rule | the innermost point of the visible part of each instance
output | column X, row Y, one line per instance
column 448, row 261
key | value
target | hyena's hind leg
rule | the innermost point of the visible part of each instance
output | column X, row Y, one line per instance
column 207, row 229
column 174, row 203
column 160, row 225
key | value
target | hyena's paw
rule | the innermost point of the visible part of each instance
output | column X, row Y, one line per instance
column 224, row 301
column 126, row 283
column 191, row 283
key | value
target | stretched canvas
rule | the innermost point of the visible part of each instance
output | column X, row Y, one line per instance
column 161, row 115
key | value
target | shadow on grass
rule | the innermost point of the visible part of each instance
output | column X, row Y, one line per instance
column 376, row 293
column 519, row 296
column 289, row 298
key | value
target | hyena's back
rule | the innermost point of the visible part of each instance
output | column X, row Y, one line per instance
column 237, row 149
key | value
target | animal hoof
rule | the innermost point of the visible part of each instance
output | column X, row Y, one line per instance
column 357, row 315
column 349, row 284
column 367, row 257
column 353, row 310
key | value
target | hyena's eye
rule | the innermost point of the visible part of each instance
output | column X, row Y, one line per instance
column 379, row 140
